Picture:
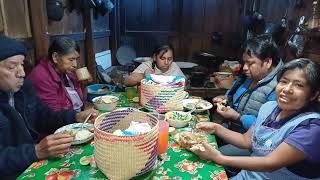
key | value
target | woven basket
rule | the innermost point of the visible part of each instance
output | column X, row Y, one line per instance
column 123, row 157
column 161, row 98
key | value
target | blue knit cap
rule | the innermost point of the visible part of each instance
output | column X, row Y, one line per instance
column 10, row 47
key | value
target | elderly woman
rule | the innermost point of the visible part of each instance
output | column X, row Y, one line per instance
column 161, row 63
column 54, row 78
column 285, row 137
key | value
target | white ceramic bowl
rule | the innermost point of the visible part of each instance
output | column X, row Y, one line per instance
column 105, row 103
column 178, row 119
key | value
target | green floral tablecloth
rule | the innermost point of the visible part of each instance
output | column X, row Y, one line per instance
column 175, row 164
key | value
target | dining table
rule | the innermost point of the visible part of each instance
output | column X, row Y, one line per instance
column 175, row 164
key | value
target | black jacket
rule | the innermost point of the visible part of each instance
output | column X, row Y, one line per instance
column 20, row 128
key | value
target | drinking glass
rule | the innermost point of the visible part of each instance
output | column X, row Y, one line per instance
column 163, row 137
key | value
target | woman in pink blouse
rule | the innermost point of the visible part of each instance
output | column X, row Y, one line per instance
column 54, row 78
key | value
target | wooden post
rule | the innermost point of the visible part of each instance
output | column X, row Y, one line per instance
column 39, row 25
column 115, row 30
column 90, row 55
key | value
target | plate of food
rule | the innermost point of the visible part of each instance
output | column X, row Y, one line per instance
column 191, row 140
column 201, row 105
column 80, row 135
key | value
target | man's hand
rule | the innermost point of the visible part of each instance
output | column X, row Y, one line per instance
column 208, row 127
column 228, row 113
column 54, row 144
column 81, row 116
column 220, row 100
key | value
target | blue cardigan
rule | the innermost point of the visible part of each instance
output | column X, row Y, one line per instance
column 20, row 128
column 247, row 119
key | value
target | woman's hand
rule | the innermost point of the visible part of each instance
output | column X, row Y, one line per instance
column 209, row 153
column 208, row 127
column 81, row 116
column 228, row 113
column 87, row 81
column 53, row 145
column 148, row 71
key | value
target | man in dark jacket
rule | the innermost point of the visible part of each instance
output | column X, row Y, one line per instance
column 23, row 116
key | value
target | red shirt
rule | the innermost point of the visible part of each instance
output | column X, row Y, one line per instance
column 50, row 87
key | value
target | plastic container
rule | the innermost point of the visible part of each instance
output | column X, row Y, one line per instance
column 163, row 137
column 96, row 90
column 131, row 92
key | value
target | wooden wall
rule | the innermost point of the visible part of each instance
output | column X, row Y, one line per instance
column 189, row 24
column 274, row 10
column 26, row 20
column 142, row 24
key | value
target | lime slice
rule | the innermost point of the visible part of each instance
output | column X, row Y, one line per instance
column 85, row 160
column 135, row 99
column 171, row 130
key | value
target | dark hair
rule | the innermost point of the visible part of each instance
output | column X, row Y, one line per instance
column 63, row 46
column 263, row 47
column 311, row 69
column 163, row 49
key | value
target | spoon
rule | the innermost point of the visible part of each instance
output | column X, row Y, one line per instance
column 85, row 121
column 193, row 129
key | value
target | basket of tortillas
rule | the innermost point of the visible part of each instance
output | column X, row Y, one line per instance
column 126, row 143
column 162, row 93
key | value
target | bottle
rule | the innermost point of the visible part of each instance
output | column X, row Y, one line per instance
column 314, row 22
column 297, row 41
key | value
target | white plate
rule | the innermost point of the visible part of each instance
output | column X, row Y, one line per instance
column 186, row 65
column 142, row 59
column 206, row 105
column 76, row 126
column 125, row 55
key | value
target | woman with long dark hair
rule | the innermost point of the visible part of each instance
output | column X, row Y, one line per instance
column 160, row 63
column 284, row 139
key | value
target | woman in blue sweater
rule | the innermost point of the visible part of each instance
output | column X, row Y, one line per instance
column 285, row 136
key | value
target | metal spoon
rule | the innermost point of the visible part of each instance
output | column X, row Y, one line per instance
column 193, row 129
column 85, row 121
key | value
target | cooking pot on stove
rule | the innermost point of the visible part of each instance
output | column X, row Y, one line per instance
column 198, row 76
column 208, row 60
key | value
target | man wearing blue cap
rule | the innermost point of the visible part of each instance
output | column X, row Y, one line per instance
column 23, row 116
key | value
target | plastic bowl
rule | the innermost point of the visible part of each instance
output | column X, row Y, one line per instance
column 178, row 119
column 105, row 103
column 96, row 90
